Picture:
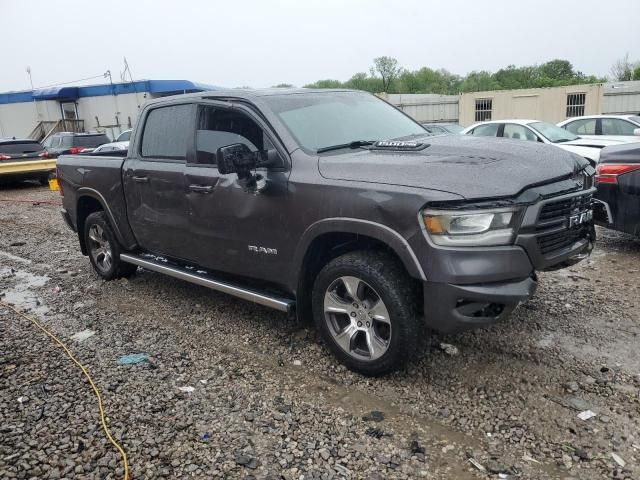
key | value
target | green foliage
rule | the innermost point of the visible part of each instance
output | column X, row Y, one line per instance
column 387, row 68
column 387, row 76
column 283, row 85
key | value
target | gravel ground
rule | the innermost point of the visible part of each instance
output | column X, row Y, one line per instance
column 269, row 402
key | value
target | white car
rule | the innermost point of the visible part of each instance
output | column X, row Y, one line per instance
column 614, row 127
column 536, row 131
column 112, row 147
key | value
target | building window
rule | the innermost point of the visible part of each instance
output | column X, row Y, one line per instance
column 575, row 104
column 483, row 109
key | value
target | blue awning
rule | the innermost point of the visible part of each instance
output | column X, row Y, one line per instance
column 57, row 93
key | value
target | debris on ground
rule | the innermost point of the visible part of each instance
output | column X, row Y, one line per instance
column 449, row 349
column 415, row 447
column 132, row 359
column 187, row 389
column 586, row 415
column 373, row 416
column 297, row 363
column 377, row 432
column 477, row 464
column 83, row 335
column 618, row 459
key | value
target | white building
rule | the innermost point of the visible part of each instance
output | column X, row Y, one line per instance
column 109, row 108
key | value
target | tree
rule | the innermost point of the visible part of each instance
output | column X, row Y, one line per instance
column 557, row 70
column 622, row 69
column 636, row 73
column 325, row 84
column 479, row 81
column 388, row 69
column 283, row 85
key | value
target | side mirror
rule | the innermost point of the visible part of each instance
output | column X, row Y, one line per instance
column 236, row 158
column 636, row 132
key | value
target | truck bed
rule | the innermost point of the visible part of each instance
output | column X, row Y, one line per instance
column 97, row 176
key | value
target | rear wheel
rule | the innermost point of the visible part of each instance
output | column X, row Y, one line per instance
column 364, row 307
column 103, row 248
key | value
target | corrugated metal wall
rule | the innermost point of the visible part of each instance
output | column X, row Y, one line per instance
column 426, row 107
column 621, row 97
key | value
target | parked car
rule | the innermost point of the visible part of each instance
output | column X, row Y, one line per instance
column 112, row 147
column 124, row 136
column 618, row 182
column 336, row 206
column 537, row 131
column 614, row 127
column 24, row 159
column 70, row 143
column 442, row 128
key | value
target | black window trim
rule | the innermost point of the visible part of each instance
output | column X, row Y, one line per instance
column 249, row 112
column 165, row 158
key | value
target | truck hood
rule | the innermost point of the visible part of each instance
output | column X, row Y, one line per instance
column 472, row 167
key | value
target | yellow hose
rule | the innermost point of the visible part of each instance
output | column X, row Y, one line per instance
column 86, row 374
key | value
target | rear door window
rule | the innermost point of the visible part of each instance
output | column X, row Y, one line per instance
column 20, row 147
column 518, row 132
column 617, row 126
column 486, row 130
column 90, row 140
column 586, row 126
column 167, row 132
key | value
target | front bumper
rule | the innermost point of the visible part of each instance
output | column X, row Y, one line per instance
column 455, row 308
column 473, row 287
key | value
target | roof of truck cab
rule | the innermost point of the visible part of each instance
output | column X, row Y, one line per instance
column 248, row 94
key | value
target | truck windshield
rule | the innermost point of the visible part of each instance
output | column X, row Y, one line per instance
column 321, row 120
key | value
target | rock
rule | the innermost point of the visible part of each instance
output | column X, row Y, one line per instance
column 374, row 416
column 449, row 349
column 324, row 453
column 247, row 461
column 571, row 386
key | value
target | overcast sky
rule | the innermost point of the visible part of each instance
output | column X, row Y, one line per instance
column 263, row 43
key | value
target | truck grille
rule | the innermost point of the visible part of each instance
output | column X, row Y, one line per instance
column 557, row 241
column 556, row 215
column 564, row 208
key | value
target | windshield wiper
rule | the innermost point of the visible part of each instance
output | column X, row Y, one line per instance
column 562, row 140
column 354, row 144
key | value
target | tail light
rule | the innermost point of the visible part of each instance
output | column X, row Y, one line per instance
column 74, row 150
column 4, row 157
column 609, row 173
column 44, row 154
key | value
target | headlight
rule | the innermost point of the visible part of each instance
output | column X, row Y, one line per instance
column 471, row 228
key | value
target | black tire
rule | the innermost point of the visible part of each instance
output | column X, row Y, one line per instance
column 97, row 250
column 44, row 180
column 387, row 281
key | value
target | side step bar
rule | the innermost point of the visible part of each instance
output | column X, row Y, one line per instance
column 282, row 304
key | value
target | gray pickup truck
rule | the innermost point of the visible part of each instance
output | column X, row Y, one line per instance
column 336, row 206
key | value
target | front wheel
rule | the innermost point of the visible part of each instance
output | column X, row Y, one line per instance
column 103, row 248
column 365, row 308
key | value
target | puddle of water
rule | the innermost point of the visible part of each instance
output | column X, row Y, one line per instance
column 22, row 294
column 622, row 351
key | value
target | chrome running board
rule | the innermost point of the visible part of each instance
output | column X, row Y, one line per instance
column 201, row 278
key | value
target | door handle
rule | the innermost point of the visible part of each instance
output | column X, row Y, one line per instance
column 140, row 179
column 201, row 188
